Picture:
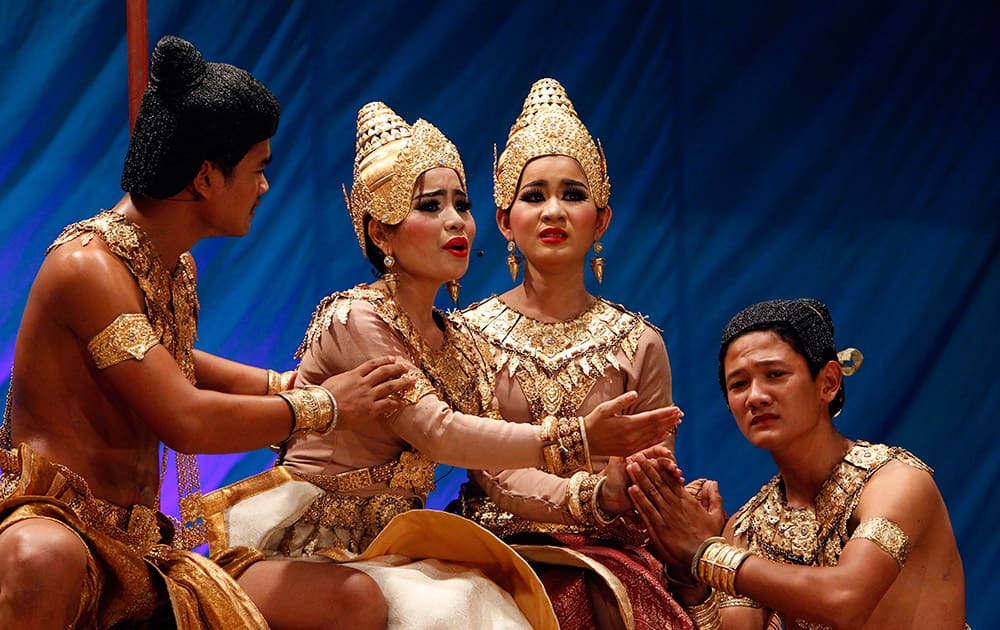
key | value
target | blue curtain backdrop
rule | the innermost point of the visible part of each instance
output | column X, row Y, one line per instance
column 847, row 151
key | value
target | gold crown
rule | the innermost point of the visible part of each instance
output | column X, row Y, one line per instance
column 389, row 157
column 549, row 125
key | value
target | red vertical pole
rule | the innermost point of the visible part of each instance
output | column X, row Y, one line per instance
column 138, row 55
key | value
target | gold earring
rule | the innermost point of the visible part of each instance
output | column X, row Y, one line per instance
column 597, row 263
column 453, row 288
column 513, row 260
column 391, row 277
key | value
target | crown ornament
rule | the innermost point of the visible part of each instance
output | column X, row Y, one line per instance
column 549, row 125
column 389, row 157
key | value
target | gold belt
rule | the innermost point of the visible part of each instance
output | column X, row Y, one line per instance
column 353, row 479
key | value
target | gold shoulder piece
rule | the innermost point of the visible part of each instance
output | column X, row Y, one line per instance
column 130, row 336
column 887, row 535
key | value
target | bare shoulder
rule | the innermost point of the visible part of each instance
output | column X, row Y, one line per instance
column 903, row 494
column 87, row 286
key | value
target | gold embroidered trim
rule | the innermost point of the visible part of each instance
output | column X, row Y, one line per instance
column 455, row 372
column 362, row 518
column 887, row 535
column 557, row 363
column 129, row 336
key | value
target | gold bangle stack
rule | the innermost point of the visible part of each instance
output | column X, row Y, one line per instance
column 569, row 450
column 582, row 497
column 717, row 563
column 706, row 615
column 278, row 381
column 313, row 407
column 600, row 516
column 586, row 444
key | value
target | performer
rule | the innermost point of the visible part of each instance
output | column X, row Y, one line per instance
column 560, row 352
column 104, row 370
column 848, row 534
column 334, row 495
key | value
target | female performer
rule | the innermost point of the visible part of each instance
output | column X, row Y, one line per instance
column 560, row 352
column 334, row 497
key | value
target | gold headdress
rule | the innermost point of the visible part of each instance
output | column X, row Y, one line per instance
column 549, row 125
column 389, row 157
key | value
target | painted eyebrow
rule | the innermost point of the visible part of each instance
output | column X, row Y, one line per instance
column 565, row 182
column 266, row 161
column 438, row 193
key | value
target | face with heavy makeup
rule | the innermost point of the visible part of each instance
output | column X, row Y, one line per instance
column 553, row 219
column 433, row 242
column 771, row 392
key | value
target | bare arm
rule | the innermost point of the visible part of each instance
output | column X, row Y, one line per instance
column 222, row 375
column 93, row 288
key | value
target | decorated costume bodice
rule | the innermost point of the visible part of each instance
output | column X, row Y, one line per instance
column 562, row 369
column 814, row 535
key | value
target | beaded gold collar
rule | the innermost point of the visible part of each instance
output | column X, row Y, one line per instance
column 814, row 535
column 557, row 363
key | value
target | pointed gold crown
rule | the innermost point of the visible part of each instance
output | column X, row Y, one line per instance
column 389, row 157
column 549, row 125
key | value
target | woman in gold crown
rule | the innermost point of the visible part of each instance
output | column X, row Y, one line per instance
column 560, row 352
column 333, row 498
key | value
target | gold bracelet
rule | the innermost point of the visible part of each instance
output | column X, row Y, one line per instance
column 581, row 493
column 273, row 383
column 553, row 462
column 314, row 409
column 600, row 516
column 571, row 444
column 586, row 444
column 550, row 429
column 717, row 565
column 706, row 615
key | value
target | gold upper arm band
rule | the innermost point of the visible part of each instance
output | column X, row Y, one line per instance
column 130, row 336
column 887, row 535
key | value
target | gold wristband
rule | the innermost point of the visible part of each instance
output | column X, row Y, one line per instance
column 600, row 516
column 581, row 492
column 586, row 444
column 550, row 429
column 571, row 446
column 718, row 564
column 313, row 407
column 706, row 615
column 279, row 381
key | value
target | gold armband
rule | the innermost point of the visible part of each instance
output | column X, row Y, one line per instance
column 887, row 535
column 313, row 408
column 130, row 336
column 279, row 381
column 716, row 562
column 706, row 615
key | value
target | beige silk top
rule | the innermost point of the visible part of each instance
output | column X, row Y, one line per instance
column 564, row 369
column 351, row 327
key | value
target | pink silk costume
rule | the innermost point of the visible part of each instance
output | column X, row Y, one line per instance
column 567, row 369
column 354, row 483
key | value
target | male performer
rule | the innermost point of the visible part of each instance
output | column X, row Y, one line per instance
column 847, row 535
column 105, row 370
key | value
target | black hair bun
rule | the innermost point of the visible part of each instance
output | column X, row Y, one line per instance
column 176, row 67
